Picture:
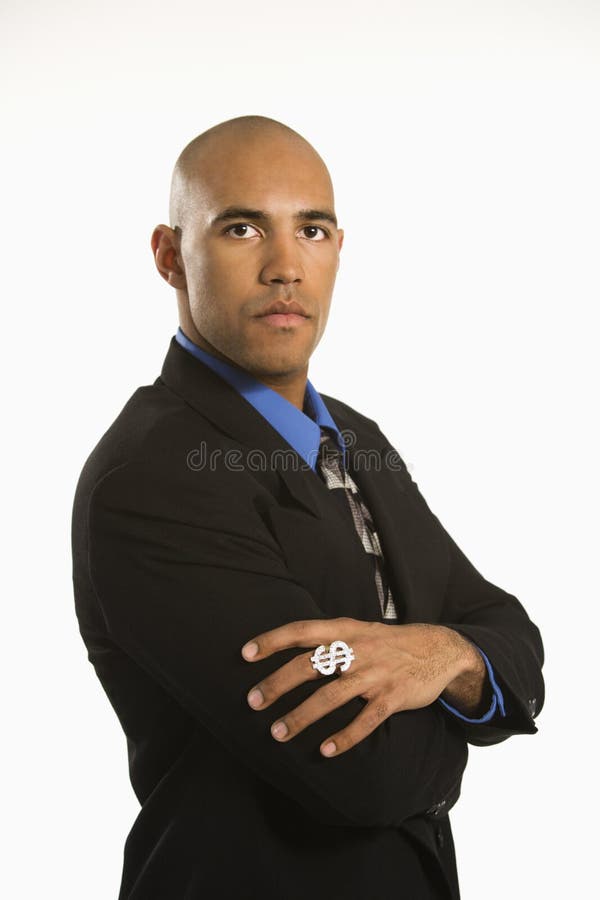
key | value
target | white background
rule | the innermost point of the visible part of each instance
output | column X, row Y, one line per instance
column 463, row 142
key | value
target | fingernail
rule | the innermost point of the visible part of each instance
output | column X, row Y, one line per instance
column 279, row 730
column 329, row 748
column 250, row 650
column 255, row 697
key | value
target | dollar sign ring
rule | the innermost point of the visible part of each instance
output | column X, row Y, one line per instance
column 325, row 659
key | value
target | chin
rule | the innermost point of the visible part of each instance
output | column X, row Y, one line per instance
column 280, row 364
column 277, row 358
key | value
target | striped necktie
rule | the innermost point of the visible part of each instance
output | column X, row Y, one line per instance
column 337, row 478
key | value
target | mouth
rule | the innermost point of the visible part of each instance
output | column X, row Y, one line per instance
column 288, row 308
column 283, row 320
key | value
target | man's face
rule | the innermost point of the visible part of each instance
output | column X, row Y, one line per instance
column 236, row 267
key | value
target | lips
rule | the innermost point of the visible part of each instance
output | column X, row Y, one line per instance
column 284, row 309
column 278, row 320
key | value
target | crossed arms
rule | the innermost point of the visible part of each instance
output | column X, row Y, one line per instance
column 183, row 590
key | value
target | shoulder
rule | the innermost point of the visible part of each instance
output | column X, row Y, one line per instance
column 145, row 478
column 364, row 434
column 346, row 416
column 152, row 436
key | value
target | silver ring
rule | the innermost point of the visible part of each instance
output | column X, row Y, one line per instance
column 325, row 659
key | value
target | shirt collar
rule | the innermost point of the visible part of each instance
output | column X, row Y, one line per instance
column 301, row 431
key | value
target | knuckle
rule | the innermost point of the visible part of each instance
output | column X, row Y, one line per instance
column 332, row 691
column 352, row 679
column 297, row 721
column 301, row 632
column 379, row 712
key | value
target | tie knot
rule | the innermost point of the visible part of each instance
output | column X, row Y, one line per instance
column 328, row 444
column 330, row 456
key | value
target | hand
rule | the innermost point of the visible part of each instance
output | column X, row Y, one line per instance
column 396, row 667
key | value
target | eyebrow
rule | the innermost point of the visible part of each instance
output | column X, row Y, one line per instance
column 242, row 212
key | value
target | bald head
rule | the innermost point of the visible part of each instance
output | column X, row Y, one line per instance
column 253, row 224
column 224, row 148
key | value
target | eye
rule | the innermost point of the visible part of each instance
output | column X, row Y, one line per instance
column 318, row 233
column 324, row 233
column 240, row 225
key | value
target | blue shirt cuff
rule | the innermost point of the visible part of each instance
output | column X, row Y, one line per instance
column 497, row 698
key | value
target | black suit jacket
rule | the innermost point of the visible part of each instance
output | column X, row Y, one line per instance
column 195, row 528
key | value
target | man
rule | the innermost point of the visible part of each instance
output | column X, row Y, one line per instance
column 250, row 554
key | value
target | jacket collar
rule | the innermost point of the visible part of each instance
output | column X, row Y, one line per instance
column 301, row 429
column 232, row 414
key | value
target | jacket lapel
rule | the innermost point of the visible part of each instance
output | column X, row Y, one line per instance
column 233, row 415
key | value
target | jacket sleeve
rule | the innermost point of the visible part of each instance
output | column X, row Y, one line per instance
column 497, row 623
column 183, row 582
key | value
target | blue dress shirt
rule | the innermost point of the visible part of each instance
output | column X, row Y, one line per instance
column 303, row 433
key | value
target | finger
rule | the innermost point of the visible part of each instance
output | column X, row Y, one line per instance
column 374, row 713
column 288, row 676
column 336, row 692
column 302, row 633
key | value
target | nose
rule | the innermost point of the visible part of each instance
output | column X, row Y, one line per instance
column 282, row 263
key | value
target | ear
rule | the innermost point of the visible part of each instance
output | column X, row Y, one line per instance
column 340, row 242
column 165, row 243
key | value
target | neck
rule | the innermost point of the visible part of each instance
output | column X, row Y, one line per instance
column 290, row 385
